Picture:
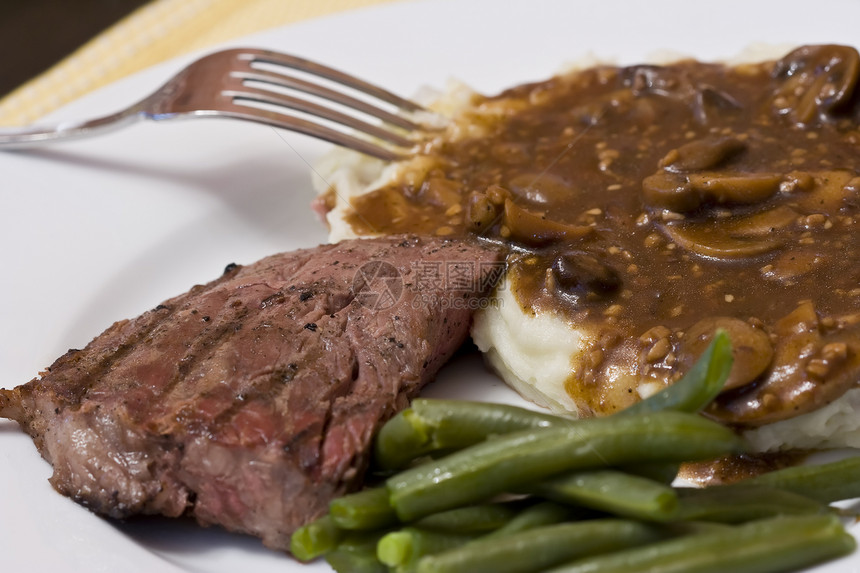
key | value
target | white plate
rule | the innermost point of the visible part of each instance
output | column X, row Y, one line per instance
column 98, row 230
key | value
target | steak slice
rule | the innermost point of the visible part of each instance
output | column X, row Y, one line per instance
column 251, row 401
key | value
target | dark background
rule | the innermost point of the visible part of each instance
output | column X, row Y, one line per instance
column 35, row 34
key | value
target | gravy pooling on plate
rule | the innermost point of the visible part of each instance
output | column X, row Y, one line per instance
column 658, row 203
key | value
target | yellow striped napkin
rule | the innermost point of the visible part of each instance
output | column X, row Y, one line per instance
column 158, row 31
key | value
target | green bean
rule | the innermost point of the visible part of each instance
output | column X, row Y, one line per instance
column 315, row 538
column 537, row 515
column 469, row 519
column 766, row 546
column 679, row 528
column 403, row 548
column 457, row 423
column 825, row 482
column 370, row 510
column 739, row 503
column 514, row 460
column 663, row 472
column 698, row 387
column 612, row 491
column 364, row 510
column 401, row 439
column 432, row 425
column 356, row 553
column 542, row 547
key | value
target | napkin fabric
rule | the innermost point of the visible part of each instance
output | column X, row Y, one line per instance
column 156, row 32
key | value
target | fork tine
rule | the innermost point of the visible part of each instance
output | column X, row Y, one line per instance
column 264, row 96
column 266, row 77
column 315, row 130
column 301, row 64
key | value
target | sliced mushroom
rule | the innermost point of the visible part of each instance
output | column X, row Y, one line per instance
column 672, row 191
column 481, row 212
column 791, row 265
column 732, row 240
column 828, row 193
column 734, row 237
column 809, row 370
column 712, row 243
column 817, row 81
column 796, row 181
column 751, row 348
column 541, row 188
column 535, row 229
column 711, row 102
column 718, row 99
column 684, row 193
column 441, row 191
column 735, row 189
column 575, row 273
column 760, row 224
column 852, row 187
column 705, row 153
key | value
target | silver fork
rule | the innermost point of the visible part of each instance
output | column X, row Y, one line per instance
column 224, row 83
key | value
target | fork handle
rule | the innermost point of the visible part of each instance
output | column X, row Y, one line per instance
column 34, row 135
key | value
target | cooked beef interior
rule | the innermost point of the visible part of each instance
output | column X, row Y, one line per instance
column 251, row 401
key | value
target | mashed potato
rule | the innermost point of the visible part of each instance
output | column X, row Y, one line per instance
column 532, row 353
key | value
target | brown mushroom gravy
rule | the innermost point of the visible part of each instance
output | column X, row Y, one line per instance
column 655, row 204
column 733, row 469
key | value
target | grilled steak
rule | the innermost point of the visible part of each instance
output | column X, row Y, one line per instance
column 251, row 401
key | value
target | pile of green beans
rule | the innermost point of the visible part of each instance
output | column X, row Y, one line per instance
column 518, row 491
